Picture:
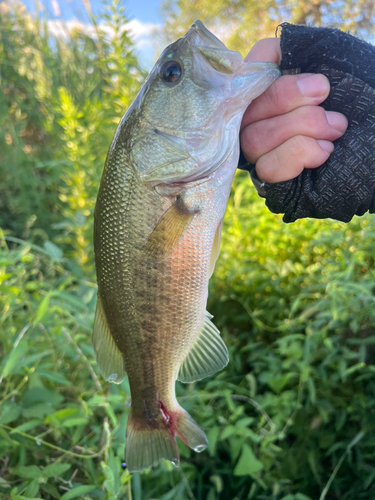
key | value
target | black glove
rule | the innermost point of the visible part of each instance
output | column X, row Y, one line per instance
column 345, row 184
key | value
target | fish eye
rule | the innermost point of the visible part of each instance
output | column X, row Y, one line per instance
column 170, row 72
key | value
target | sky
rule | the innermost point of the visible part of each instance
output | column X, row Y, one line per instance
column 143, row 14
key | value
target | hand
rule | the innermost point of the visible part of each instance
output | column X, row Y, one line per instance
column 284, row 130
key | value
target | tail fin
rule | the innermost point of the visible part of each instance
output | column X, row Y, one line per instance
column 146, row 445
column 148, row 442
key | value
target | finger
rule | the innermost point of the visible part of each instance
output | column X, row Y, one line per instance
column 267, row 49
column 262, row 136
column 290, row 158
column 287, row 93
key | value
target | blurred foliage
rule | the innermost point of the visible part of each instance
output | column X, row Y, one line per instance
column 292, row 417
column 61, row 98
column 241, row 23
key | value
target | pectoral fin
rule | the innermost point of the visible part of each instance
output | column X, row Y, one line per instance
column 215, row 249
column 207, row 355
column 170, row 228
column 109, row 358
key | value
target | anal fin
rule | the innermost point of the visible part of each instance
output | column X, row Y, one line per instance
column 108, row 356
column 207, row 355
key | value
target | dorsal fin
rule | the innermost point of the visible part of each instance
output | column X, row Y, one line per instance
column 207, row 355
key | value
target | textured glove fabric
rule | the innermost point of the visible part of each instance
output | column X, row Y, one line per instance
column 344, row 186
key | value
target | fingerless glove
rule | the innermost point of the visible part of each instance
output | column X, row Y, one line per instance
column 344, row 185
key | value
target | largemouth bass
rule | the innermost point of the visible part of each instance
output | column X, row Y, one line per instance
column 157, row 230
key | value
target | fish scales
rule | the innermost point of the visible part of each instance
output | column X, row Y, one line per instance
column 157, row 227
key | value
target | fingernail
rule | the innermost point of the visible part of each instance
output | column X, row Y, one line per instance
column 313, row 85
column 326, row 145
column 337, row 121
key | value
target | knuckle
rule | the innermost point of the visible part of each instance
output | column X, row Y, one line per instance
column 300, row 144
column 274, row 96
column 312, row 114
column 251, row 141
column 265, row 167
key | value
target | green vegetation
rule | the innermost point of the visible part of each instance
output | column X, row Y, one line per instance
column 242, row 23
column 293, row 415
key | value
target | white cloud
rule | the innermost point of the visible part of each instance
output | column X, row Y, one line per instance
column 140, row 33
column 139, row 29
column 56, row 8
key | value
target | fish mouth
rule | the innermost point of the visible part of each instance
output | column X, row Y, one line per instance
column 206, row 46
column 199, row 35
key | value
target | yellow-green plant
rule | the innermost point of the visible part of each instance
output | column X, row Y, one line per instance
column 241, row 23
column 63, row 96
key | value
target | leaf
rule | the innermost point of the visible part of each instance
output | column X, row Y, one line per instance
column 111, row 414
column 43, row 308
column 211, row 494
column 38, row 410
column 53, row 376
column 212, row 437
column 53, row 250
column 14, row 357
column 62, row 414
column 356, row 439
column 27, row 426
column 218, row 482
column 369, row 480
column 28, row 360
column 32, row 489
column 74, row 422
column 97, row 401
column 9, row 412
column 109, row 483
column 28, row 471
column 235, row 446
column 244, row 422
column 14, row 496
column 365, row 341
column 78, row 491
column 5, row 435
column 51, row 490
column 227, row 432
column 354, row 368
column 247, row 464
column 55, row 469
column 301, row 496
column 312, row 391
column 41, row 395
column 4, row 483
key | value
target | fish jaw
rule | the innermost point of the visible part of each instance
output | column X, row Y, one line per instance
column 200, row 36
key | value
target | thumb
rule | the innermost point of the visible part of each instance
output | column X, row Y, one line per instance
column 267, row 50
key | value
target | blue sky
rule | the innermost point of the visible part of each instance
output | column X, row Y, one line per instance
column 144, row 16
column 144, row 10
